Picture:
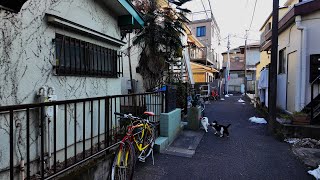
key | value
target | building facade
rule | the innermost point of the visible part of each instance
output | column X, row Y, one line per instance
column 205, row 27
column 58, row 50
column 297, row 53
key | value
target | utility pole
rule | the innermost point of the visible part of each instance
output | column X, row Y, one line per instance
column 245, row 64
column 228, row 65
column 273, row 68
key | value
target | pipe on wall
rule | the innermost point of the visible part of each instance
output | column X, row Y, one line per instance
column 302, row 66
column 22, row 169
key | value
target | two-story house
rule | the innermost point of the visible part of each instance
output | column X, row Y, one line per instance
column 67, row 51
column 298, row 56
column 236, row 71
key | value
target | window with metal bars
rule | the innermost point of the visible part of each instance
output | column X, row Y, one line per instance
column 79, row 58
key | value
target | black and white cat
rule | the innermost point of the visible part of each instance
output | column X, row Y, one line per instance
column 221, row 129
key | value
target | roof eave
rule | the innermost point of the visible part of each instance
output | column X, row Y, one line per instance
column 133, row 11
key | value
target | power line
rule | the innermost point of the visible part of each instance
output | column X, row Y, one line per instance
column 204, row 8
column 210, row 7
column 246, row 37
column 254, row 10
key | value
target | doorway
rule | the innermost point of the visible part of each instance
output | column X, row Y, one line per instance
column 291, row 81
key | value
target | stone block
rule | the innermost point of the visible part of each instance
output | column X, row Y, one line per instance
column 161, row 144
column 194, row 114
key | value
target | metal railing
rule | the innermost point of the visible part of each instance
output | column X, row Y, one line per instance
column 51, row 138
column 198, row 53
column 202, row 54
column 200, row 15
column 314, row 104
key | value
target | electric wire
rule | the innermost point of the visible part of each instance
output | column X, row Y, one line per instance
column 204, row 8
column 254, row 10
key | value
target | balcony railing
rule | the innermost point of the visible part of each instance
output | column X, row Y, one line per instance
column 265, row 36
column 265, row 40
column 202, row 55
column 198, row 53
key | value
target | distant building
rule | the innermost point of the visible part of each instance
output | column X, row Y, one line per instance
column 241, row 59
column 205, row 27
column 237, row 65
column 252, row 57
column 197, row 52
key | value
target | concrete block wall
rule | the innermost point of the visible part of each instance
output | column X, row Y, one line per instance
column 98, row 168
column 170, row 124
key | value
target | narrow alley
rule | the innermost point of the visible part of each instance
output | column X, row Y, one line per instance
column 249, row 152
column 89, row 88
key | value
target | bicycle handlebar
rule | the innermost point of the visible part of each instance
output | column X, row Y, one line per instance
column 120, row 114
column 130, row 116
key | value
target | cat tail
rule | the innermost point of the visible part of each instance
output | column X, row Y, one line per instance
column 228, row 125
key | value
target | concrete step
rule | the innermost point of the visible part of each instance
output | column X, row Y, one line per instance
column 161, row 144
column 185, row 144
column 183, row 125
column 182, row 152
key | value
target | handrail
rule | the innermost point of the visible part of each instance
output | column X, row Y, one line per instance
column 318, row 77
column 61, row 102
column 312, row 84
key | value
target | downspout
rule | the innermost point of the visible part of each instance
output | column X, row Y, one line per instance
column 51, row 97
column 22, row 169
column 300, row 104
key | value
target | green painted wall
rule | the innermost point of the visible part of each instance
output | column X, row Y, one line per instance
column 170, row 124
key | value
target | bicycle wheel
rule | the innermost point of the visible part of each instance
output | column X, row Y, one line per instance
column 123, row 163
column 149, row 139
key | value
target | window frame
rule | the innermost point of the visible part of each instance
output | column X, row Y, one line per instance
column 282, row 61
column 12, row 6
column 201, row 31
column 75, row 57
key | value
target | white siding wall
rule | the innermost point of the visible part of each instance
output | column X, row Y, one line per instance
column 253, row 56
column 27, row 57
column 135, row 55
column 312, row 22
column 28, row 54
column 288, row 39
column 291, row 39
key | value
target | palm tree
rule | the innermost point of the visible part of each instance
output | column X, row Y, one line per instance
column 160, row 40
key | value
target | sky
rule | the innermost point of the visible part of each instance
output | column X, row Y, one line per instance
column 234, row 17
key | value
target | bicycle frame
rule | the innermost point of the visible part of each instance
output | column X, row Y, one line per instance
column 131, row 137
column 139, row 145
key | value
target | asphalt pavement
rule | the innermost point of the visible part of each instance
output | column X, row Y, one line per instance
column 249, row 152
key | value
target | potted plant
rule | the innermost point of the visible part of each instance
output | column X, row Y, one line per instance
column 300, row 118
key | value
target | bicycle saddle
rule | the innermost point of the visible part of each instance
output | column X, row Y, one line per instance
column 149, row 113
